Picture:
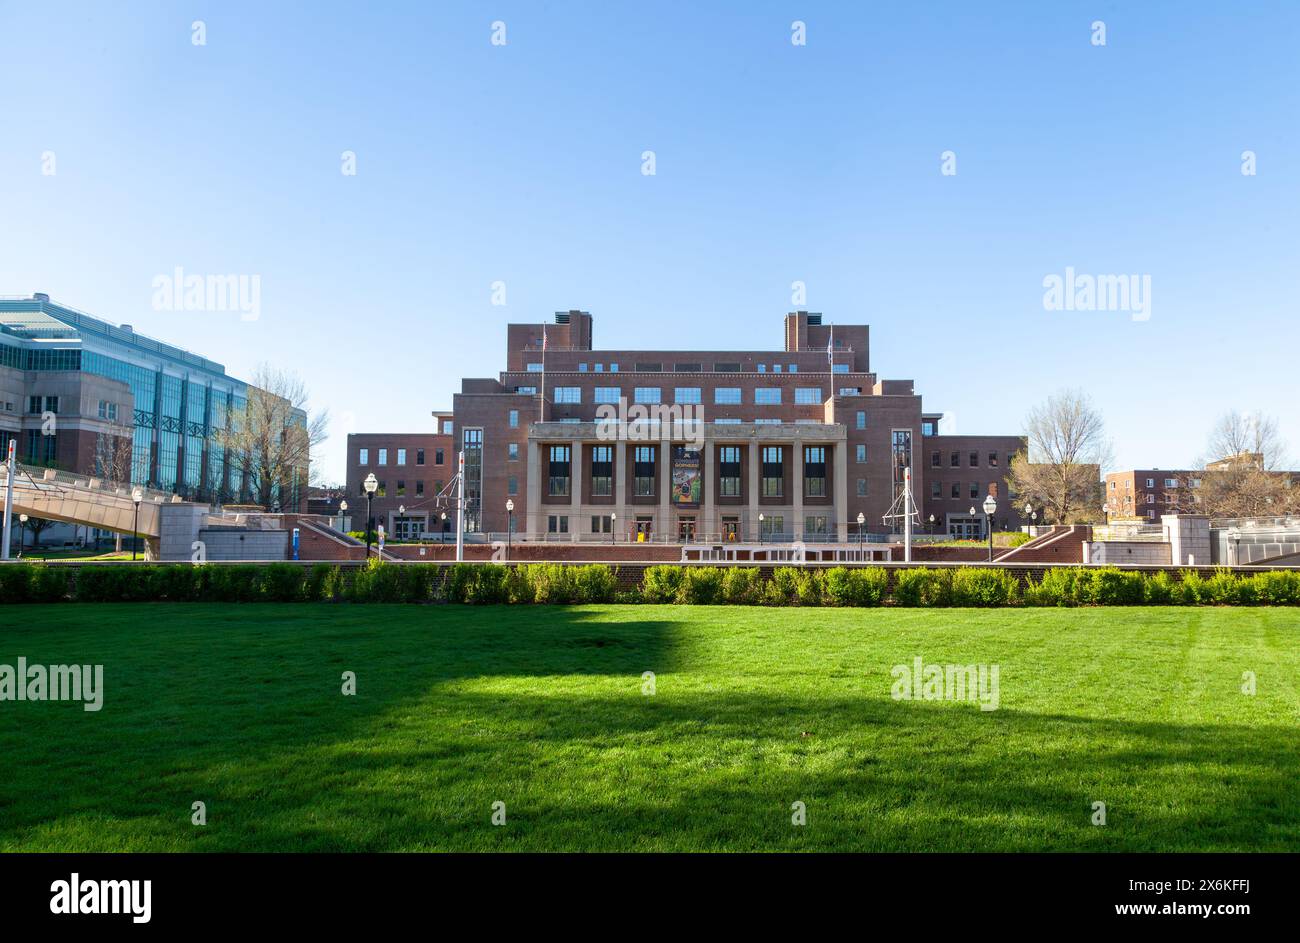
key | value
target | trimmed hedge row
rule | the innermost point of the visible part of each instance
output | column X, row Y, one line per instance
column 555, row 583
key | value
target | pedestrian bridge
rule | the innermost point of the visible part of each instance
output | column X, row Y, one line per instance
column 78, row 499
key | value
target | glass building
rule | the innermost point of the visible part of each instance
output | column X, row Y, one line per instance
column 176, row 402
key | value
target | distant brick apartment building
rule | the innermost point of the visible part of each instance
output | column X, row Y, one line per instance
column 411, row 469
column 1148, row 493
column 784, row 444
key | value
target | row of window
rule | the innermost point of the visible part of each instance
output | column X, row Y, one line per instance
column 382, row 490
column 730, row 367
column 363, row 456
column 39, row 404
column 1168, row 483
column 645, row 457
column 815, row 525
column 973, row 459
column 690, row 395
column 976, row 490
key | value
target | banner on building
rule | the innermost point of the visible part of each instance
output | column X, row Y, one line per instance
column 687, row 482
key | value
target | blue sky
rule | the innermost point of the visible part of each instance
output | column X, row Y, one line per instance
column 774, row 163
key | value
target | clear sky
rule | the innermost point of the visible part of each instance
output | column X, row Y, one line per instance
column 774, row 162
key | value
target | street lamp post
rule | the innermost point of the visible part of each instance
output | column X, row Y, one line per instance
column 862, row 519
column 136, row 497
column 990, row 506
column 1105, row 512
column 613, row 525
column 371, row 484
column 401, row 515
column 343, row 510
column 931, row 525
column 760, row 528
column 442, row 534
column 22, row 535
column 510, row 524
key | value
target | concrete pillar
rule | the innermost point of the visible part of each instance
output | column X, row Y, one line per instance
column 841, row 450
column 625, row 518
column 575, row 485
column 797, row 449
column 708, row 524
column 1189, row 538
column 665, row 485
column 535, row 523
column 751, row 526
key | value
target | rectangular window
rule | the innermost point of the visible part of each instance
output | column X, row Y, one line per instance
column 974, row 459
column 382, row 490
column 814, row 471
column 773, row 524
column 954, row 460
column 767, row 396
column 862, row 487
column 534, row 368
column 861, row 419
column 558, row 471
column 762, row 368
column 383, row 456
column 686, row 367
column 840, row 368
column 773, row 485
column 401, row 487
column 512, row 452
column 33, row 404
column 935, row 460
column 650, row 367
column 955, row 491
column 437, row 456
column 643, row 471
column 993, row 460
column 51, row 404
column 512, row 419
column 419, row 456
column 601, row 524
column 419, row 487
column 526, row 390
column 557, row 524
column 928, row 427
column 512, row 485
column 794, row 368
column 861, row 454
column 974, row 490
column 686, row 395
column 401, row 456
column 729, row 471
column 613, row 368
column 808, row 396
column 726, row 422
column 815, row 526
column 472, row 444
column 647, row 395
column 602, row 471
column 568, row 394
column 363, row 457
column 726, row 396
column 776, row 368
column 607, row 394
column 582, row 368
column 936, row 489
column 726, row 367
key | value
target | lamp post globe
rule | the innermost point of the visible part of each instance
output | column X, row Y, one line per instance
column 371, row 485
column 136, row 497
column 510, row 524
column 990, row 507
column 931, row 523
column 760, row 528
column 22, row 534
column 862, row 519
column 613, row 525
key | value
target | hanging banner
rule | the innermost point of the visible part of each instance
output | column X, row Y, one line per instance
column 687, row 482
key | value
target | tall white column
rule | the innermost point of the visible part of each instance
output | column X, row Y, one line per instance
column 751, row 525
column 841, row 490
column 707, row 524
column 665, row 485
column 625, row 518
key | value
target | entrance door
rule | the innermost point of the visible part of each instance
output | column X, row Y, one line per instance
column 644, row 526
column 686, row 529
column 730, row 529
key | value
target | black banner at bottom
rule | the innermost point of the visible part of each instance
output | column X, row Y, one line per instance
column 335, row 892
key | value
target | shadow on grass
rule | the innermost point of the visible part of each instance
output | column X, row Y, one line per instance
column 543, row 710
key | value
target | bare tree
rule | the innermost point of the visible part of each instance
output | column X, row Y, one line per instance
column 1061, row 473
column 1243, row 476
column 113, row 455
column 270, row 440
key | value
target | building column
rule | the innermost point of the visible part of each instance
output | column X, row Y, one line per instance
column 797, row 448
column 535, row 524
column 620, row 487
column 842, row 490
column 752, row 524
column 665, row 485
column 706, row 502
column 575, row 487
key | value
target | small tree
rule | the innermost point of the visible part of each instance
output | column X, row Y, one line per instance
column 1061, row 472
column 1242, row 477
column 270, row 440
column 113, row 455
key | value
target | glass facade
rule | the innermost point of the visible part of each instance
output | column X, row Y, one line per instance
column 182, row 401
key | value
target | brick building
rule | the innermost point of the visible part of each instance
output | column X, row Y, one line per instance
column 412, row 470
column 1149, row 493
column 785, row 444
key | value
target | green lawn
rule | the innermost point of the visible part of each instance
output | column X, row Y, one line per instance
column 542, row 708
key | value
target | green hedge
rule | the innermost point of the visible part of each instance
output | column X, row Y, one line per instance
column 560, row 584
